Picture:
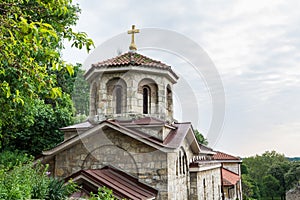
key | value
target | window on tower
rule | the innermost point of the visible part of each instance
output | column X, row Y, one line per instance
column 118, row 95
column 146, row 100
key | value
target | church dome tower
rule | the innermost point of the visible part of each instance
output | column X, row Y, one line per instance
column 130, row 86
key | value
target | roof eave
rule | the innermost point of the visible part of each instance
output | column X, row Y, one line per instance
column 95, row 71
column 66, row 144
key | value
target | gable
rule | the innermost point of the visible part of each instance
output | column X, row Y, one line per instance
column 171, row 142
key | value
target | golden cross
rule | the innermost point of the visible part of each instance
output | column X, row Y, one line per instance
column 132, row 32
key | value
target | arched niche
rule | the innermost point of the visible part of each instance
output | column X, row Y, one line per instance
column 94, row 99
column 117, row 95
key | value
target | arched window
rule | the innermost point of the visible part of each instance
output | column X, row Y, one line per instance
column 180, row 164
column 177, row 167
column 149, row 96
column 183, row 164
column 118, row 95
column 146, row 100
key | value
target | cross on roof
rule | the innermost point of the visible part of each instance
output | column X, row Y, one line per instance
column 132, row 32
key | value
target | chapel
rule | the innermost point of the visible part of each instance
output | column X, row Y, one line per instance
column 131, row 143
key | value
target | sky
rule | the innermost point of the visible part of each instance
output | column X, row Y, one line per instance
column 253, row 45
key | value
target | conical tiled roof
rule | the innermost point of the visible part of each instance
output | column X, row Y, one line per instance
column 131, row 59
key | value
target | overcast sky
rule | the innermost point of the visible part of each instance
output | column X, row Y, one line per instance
column 254, row 45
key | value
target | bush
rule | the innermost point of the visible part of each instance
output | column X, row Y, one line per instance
column 22, row 179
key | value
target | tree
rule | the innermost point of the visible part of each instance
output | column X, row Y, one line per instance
column 81, row 94
column 271, row 186
column 200, row 138
column 263, row 169
column 250, row 188
column 31, row 68
column 278, row 171
column 292, row 177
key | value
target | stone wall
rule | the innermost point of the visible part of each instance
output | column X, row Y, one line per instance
column 110, row 147
column 178, row 173
column 102, row 100
column 206, row 184
column 234, row 167
column 293, row 194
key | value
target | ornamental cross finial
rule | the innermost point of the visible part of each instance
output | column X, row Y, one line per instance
column 132, row 32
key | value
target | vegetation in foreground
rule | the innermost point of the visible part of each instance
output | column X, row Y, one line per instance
column 35, row 83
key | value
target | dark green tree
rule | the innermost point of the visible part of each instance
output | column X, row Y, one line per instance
column 292, row 177
column 271, row 186
column 272, row 164
column 278, row 171
column 250, row 188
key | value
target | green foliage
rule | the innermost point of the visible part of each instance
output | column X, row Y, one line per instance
column 200, row 138
column 103, row 194
column 37, row 125
column 271, row 186
column 58, row 189
column 250, row 188
column 80, row 118
column 31, row 38
column 271, row 172
column 9, row 159
column 81, row 94
column 292, row 176
column 26, row 180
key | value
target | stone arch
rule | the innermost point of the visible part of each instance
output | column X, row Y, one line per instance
column 149, row 90
column 117, row 95
column 112, row 155
column 94, row 99
column 169, row 101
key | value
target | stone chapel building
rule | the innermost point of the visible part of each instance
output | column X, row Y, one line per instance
column 132, row 144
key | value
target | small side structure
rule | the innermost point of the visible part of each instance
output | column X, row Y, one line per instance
column 231, row 175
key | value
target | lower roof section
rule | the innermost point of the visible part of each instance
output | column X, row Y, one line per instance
column 122, row 184
column 229, row 178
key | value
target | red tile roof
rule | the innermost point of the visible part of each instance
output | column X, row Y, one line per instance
column 131, row 59
column 122, row 184
column 223, row 156
column 229, row 178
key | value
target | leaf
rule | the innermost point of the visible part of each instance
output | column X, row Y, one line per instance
column 70, row 69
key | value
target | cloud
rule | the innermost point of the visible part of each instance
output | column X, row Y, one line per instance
column 255, row 46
